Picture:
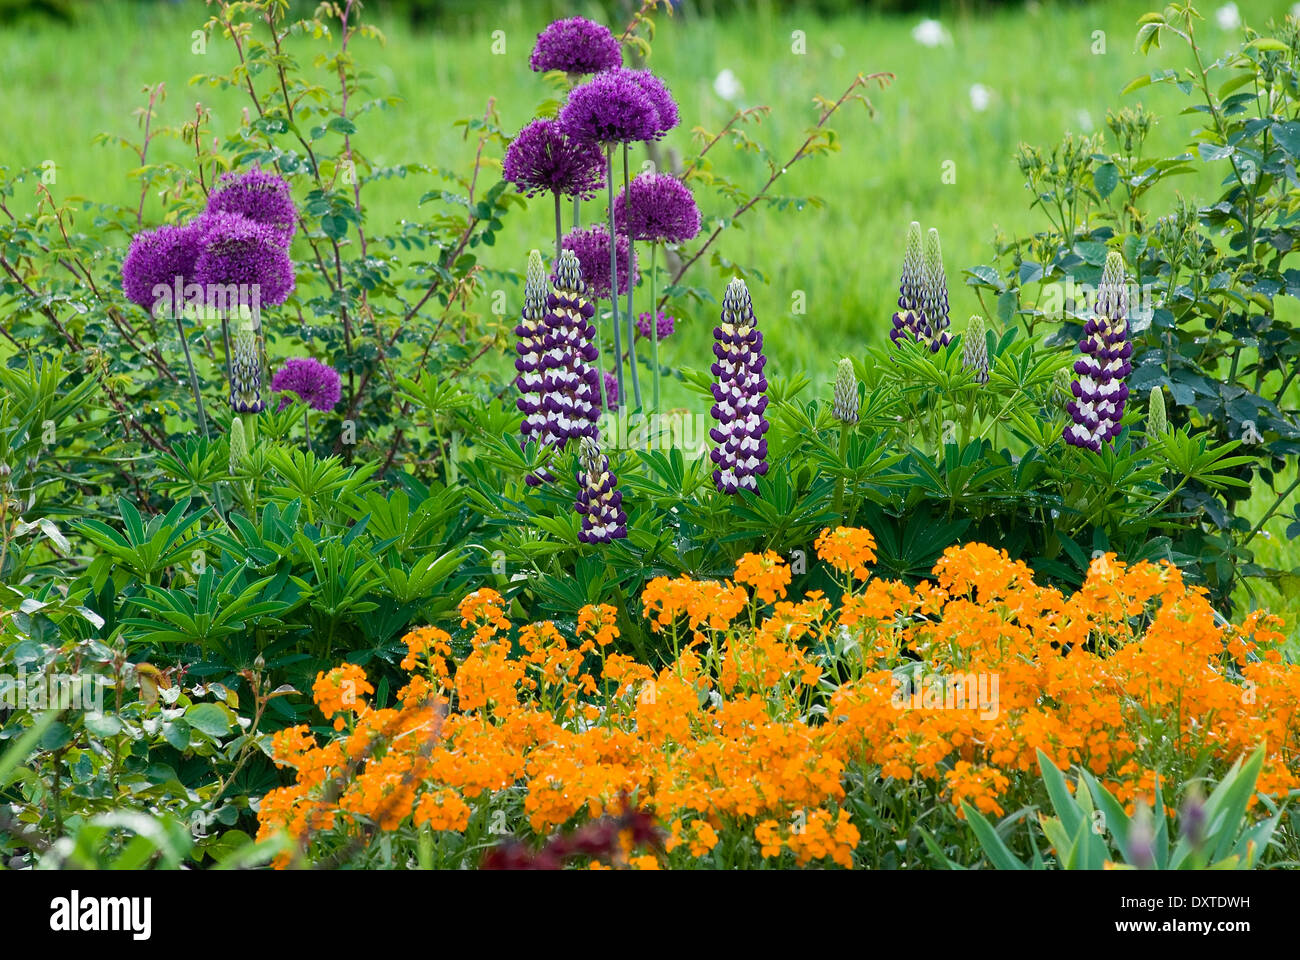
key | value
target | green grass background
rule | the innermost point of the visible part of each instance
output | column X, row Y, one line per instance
column 63, row 85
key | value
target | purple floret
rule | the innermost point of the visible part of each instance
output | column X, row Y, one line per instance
column 591, row 247
column 661, row 208
column 159, row 257
column 610, row 108
column 310, row 380
column 261, row 197
column 576, row 46
column 542, row 158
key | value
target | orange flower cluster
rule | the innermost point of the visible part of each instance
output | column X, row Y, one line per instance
column 950, row 686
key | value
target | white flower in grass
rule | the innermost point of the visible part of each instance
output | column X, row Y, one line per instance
column 980, row 97
column 1228, row 17
column 727, row 85
column 930, row 33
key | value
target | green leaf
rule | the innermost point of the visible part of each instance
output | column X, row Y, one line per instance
column 209, row 718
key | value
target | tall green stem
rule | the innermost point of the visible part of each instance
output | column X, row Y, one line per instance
column 558, row 229
column 631, row 282
column 613, row 276
column 654, row 325
column 198, row 403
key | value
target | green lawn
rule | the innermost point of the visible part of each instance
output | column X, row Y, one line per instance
column 65, row 85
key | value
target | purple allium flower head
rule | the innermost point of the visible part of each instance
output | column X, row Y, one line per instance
column 246, row 254
column 599, row 501
column 740, row 395
column 309, row 380
column 246, row 372
column 576, row 46
column 157, row 258
column 661, row 208
column 610, row 108
column 910, row 319
column 666, row 325
column 611, row 390
column 543, row 158
column 563, row 402
column 1099, row 389
column 591, row 247
column 659, row 95
column 261, row 197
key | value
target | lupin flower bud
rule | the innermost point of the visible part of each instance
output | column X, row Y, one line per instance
column 909, row 318
column 975, row 349
column 238, row 447
column 246, row 373
column 570, row 392
column 599, row 501
column 934, row 295
column 1157, row 420
column 1061, row 381
column 530, row 330
column 844, row 406
column 1099, row 389
column 740, row 395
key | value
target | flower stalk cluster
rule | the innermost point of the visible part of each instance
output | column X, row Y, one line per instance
column 1099, row 388
column 740, row 395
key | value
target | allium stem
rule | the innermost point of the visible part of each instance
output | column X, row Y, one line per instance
column 194, row 378
column 631, row 282
column 577, row 208
column 306, row 428
column 613, row 273
column 654, row 325
column 558, row 228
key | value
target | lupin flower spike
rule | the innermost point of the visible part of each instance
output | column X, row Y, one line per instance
column 600, row 502
column 740, row 395
column 531, row 332
column 238, row 447
column 1157, row 419
column 246, row 373
column 844, row 406
column 570, row 392
column 934, row 295
column 909, row 318
column 1099, row 389
column 975, row 349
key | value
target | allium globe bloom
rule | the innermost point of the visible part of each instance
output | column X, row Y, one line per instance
column 245, row 254
column 543, row 158
column 611, row 390
column 310, row 380
column 662, row 99
column 1099, row 389
column 576, row 46
column 599, row 502
column 261, row 197
column 158, row 258
column 657, row 207
column 591, row 247
column 740, row 395
column 610, row 108
column 560, row 348
column 666, row 325
column 246, row 373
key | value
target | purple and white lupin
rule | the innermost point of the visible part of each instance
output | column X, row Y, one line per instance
column 910, row 318
column 1099, row 389
column 599, row 502
column 740, row 395
column 531, row 331
column 561, row 347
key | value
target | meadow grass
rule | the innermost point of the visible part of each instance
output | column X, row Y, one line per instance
column 839, row 257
